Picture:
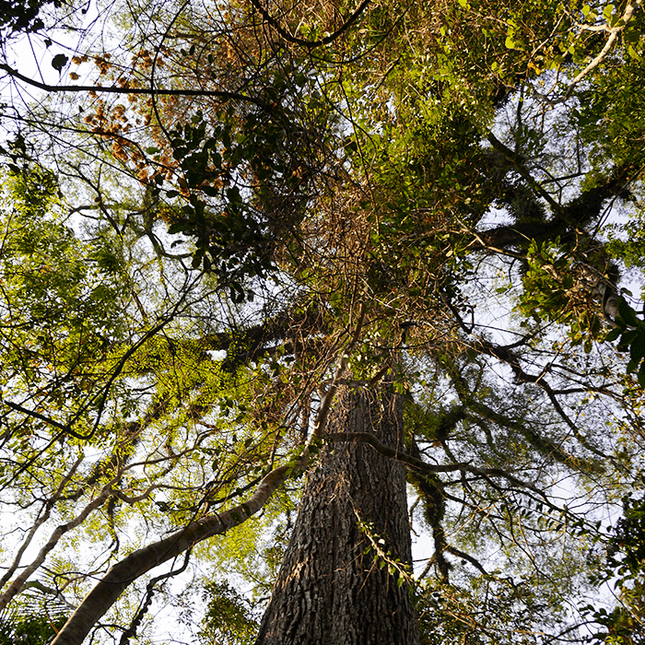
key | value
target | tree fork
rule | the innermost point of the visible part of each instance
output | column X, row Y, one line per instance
column 125, row 572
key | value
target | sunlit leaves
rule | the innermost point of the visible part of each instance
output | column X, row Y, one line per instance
column 61, row 296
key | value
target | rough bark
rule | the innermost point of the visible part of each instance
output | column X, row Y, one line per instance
column 329, row 591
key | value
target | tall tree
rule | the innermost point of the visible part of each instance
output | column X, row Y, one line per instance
column 333, row 587
column 355, row 244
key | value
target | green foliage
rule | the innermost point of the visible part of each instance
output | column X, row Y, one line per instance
column 229, row 617
column 245, row 175
column 28, row 630
column 35, row 619
column 62, row 299
column 630, row 330
column 625, row 567
column 610, row 113
column 627, row 240
column 627, row 544
column 383, row 557
column 556, row 289
column 366, row 178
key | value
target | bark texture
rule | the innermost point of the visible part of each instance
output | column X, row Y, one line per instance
column 328, row 591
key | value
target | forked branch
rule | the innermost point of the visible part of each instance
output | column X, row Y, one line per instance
column 138, row 563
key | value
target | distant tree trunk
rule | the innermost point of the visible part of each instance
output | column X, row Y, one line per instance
column 328, row 591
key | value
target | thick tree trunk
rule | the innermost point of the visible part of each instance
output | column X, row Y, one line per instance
column 329, row 591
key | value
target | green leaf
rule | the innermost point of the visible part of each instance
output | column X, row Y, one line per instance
column 637, row 349
column 627, row 314
column 613, row 334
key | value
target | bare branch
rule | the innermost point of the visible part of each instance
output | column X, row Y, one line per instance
column 138, row 563
column 366, row 437
column 40, row 521
column 310, row 44
column 115, row 89
column 58, row 532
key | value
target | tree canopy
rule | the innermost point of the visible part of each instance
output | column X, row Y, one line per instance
column 227, row 227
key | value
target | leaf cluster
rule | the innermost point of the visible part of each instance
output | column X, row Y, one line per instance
column 630, row 332
column 23, row 15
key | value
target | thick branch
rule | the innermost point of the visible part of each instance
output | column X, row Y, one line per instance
column 138, row 563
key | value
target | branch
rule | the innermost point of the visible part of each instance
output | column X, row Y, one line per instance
column 145, row 605
column 36, row 415
column 310, row 44
column 58, row 532
column 366, row 437
column 465, row 556
column 325, row 404
column 39, row 522
column 102, row 395
column 613, row 34
column 506, row 356
column 114, row 89
column 516, row 160
column 138, row 563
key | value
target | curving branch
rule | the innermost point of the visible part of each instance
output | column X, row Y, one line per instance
column 309, row 44
column 17, row 585
column 613, row 35
column 503, row 354
column 138, row 563
column 115, row 89
column 51, row 501
column 422, row 466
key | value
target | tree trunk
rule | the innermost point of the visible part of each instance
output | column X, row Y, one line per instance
column 329, row 591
